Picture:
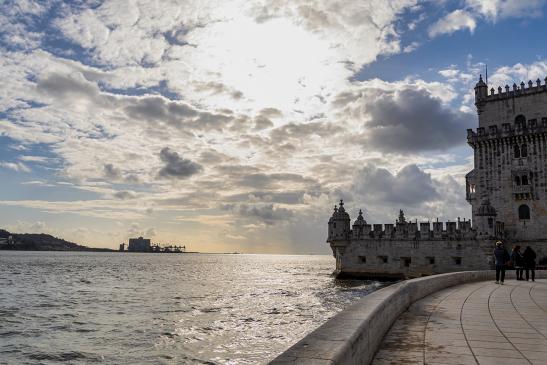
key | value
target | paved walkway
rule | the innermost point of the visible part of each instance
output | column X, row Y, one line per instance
column 475, row 323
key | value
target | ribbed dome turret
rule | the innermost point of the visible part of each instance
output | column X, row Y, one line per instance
column 360, row 221
column 485, row 209
column 340, row 213
column 481, row 83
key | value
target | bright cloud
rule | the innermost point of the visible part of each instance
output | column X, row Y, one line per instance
column 456, row 20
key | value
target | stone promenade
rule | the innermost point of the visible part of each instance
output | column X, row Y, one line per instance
column 474, row 323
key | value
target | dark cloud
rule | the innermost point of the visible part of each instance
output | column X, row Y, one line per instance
column 176, row 166
column 112, row 172
column 217, row 88
column 261, row 180
column 157, row 109
column 282, row 197
column 413, row 121
column 271, row 113
column 125, row 195
column 408, row 187
column 262, row 123
column 67, row 85
column 300, row 131
column 268, row 214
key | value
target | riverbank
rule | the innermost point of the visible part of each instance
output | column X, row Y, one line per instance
column 41, row 242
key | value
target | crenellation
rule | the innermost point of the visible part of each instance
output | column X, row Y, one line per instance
column 516, row 90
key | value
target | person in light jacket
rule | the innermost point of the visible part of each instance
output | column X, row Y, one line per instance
column 501, row 257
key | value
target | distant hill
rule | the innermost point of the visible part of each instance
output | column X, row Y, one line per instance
column 39, row 242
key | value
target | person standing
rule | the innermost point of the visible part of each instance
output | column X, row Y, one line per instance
column 529, row 258
column 501, row 257
column 518, row 264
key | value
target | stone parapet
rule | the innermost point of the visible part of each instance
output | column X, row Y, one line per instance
column 507, row 130
column 424, row 231
column 354, row 335
column 517, row 91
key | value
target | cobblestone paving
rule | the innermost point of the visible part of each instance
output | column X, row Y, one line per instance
column 477, row 323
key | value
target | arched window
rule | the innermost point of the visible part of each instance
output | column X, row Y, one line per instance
column 517, row 180
column 520, row 121
column 523, row 150
column 516, row 151
column 524, row 212
column 524, row 180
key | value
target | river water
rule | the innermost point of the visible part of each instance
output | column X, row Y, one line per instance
column 112, row 308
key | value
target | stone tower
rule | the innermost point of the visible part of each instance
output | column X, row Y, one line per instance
column 339, row 229
column 507, row 188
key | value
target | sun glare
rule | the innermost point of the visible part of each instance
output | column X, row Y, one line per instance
column 274, row 64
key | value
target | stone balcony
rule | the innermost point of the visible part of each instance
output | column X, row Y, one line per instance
column 522, row 189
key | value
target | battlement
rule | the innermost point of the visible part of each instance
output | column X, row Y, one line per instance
column 458, row 230
column 516, row 90
column 526, row 127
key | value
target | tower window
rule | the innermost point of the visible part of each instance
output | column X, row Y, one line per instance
column 457, row 260
column 430, row 260
column 517, row 180
column 406, row 261
column 523, row 150
column 520, row 121
column 516, row 151
column 363, row 259
column 383, row 259
column 490, row 222
column 524, row 212
column 524, row 180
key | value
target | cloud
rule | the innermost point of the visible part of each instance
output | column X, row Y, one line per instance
column 261, row 180
column 176, row 166
column 492, row 10
column 456, row 20
column 125, row 195
column 15, row 166
column 499, row 9
column 150, row 232
column 410, row 186
column 112, row 172
column 411, row 120
column 268, row 214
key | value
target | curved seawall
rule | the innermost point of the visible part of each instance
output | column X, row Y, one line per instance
column 354, row 335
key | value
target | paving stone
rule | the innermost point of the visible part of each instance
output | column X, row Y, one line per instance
column 498, row 329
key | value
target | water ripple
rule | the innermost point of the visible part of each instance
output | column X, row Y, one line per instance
column 82, row 308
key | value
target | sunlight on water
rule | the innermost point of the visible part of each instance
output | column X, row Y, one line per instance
column 83, row 308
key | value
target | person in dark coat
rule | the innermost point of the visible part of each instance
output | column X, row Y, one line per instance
column 501, row 257
column 529, row 258
column 518, row 262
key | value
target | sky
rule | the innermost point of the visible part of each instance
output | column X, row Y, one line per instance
column 237, row 125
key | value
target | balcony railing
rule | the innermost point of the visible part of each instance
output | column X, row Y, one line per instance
column 522, row 189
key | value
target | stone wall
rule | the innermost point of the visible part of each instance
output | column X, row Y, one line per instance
column 403, row 258
column 410, row 259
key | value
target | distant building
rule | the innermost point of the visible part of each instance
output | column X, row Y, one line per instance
column 122, row 247
column 139, row 245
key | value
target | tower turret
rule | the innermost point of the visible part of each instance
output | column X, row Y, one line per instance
column 358, row 226
column 339, row 229
column 481, row 93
